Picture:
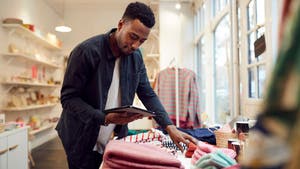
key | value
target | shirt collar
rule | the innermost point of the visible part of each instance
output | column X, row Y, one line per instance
column 107, row 42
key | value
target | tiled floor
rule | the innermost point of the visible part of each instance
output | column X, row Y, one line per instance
column 50, row 155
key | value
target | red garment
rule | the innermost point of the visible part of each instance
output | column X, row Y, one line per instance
column 189, row 106
column 192, row 147
column 126, row 155
column 190, row 151
column 189, row 154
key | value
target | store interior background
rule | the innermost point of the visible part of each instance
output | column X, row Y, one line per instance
column 88, row 18
column 174, row 42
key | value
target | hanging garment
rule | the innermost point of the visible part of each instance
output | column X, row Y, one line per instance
column 189, row 106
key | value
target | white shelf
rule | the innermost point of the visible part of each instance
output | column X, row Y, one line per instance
column 26, row 57
column 41, row 129
column 29, row 107
column 154, row 55
column 29, row 84
column 26, row 32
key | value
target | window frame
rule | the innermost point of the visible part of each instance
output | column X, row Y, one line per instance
column 240, row 104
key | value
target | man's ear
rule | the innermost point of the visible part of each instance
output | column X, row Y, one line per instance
column 121, row 24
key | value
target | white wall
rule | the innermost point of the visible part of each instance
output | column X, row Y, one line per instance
column 30, row 11
column 87, row 21
column 176, row 35
column 176, row 29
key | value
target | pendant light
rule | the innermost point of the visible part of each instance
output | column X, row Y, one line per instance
column 63, row 27
column 178, row 5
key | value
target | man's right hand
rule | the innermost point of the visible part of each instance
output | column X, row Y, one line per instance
column 122, row 118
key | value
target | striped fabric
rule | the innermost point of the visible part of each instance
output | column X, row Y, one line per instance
column 189, row 106
column 151, row 135
column 168, row 143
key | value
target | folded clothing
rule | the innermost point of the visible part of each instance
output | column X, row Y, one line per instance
column 190, row 151
column 151, row 135
column 192, row 147
column 216, row 159
column 202, row 134
column 204, row 148
column 126, row 155
column 168, row 143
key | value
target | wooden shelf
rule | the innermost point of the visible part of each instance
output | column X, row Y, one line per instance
column 41, row 129
column 29, row 107
column 26, row 57
column 29, row 84
column 26, row 32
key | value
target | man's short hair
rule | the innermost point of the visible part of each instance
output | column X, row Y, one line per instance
column 140, row 11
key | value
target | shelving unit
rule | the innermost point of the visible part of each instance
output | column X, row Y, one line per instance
column 34, row 71
column 41, row 129
column 31, row 59
column 29, row 84
column 34, row 36
column 28, row 107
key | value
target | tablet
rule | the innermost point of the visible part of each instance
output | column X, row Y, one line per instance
column 131, row 109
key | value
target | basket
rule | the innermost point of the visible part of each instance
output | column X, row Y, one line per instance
column 222, row 138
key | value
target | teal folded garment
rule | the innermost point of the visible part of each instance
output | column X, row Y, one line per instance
column 225, row 157
column 216, row 159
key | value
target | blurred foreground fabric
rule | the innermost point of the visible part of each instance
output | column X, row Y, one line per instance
column 274, row 141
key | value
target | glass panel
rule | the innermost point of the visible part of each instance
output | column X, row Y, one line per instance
column 202, row 72
column 251, row 55
column 202, row 21
column 223, row 4
column 250, row 15
column 219, row 5
column 261, row 79
column 205, row 14
column 199, row 20
column 260, row 9
column 261, row 31
column 251, row 81
column 222, row 57
column 216, row 6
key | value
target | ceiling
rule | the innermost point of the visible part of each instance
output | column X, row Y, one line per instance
column 59, row 5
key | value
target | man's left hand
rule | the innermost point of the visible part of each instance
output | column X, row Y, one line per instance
column 178, row 136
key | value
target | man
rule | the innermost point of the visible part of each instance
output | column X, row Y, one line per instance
column 104, row 72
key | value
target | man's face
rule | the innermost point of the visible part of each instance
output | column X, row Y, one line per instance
column 131, row 34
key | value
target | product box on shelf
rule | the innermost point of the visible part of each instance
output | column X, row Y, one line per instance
column 2, row 122
column 2, row 118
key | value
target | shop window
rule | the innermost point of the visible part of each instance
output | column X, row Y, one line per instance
column 222, row 64
column 202, row 72
column 256, row 63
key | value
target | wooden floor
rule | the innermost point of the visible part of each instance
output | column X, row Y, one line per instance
column 50, row 155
